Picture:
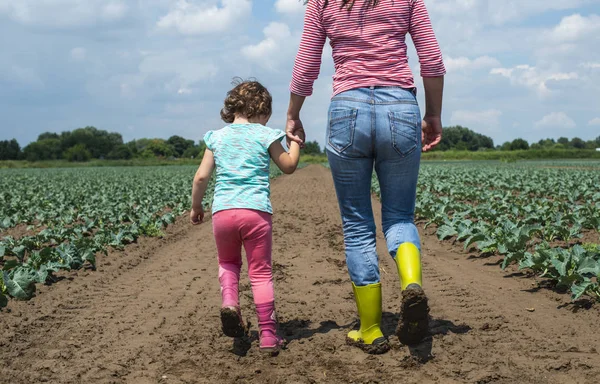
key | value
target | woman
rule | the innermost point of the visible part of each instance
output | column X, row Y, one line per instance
column 375, row 122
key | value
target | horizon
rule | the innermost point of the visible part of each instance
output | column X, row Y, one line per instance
column 158, row 68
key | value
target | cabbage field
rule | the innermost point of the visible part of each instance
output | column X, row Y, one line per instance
column 543, row 218
column 537, row 216
column 60, row 219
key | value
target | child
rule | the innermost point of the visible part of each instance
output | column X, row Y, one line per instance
column 242, row 153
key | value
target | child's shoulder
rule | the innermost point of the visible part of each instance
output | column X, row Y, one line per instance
column 213, row 136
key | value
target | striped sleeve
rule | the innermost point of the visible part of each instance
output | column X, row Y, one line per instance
column 308, row 60
column 208, row 140
column 428, row 49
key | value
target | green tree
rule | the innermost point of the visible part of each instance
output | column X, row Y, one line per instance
column 577, row 143
column 461, row 138
column 98, row 142
column 547, row 143
column 78, row 153
column 564, row 141
column 312, row 148
column 159, row 147
column 506, row 146
column 10, row 150
column 48, row 135
column 179, row 144
column 47, row 149
column 519, row 144
column 120, row 152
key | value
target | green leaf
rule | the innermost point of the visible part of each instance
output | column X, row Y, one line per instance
column 560, row 265
column 578, row 290
column 502, row 249
column 2, row 250
column 10, row 264
column 3, row 300
column 19, row 252
column 446, row 231
column 90, row 257
column 473, row 239
column 22, row 284
column 41, row 275
column 589, row 266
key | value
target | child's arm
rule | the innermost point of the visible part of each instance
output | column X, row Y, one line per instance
column 286, row 161
column 201, row 180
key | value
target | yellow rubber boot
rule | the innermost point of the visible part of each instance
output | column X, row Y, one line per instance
column 413, row 321
column 408, row 261
column 369, row 337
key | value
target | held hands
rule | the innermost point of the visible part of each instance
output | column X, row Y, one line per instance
column 431, row 133
column 196, row 215
column 294, row 131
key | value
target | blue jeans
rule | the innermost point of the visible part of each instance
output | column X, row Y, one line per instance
column 375, row 127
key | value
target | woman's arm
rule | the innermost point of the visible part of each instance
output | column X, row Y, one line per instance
column 306, row 69
column 201, row 180
column 308, row 59
column 294, row 129
column 286, row 161
column 432, row 71
column 432, row 121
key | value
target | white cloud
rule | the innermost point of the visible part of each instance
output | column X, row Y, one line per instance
column 532, row 77
column 268, row 52
column 464, row 63
column 595, row 121
column 78, row 54
column 575, row 27
column 189, row 18
column 556, row 120
column 590, row 65
column 499, row 12
column 289, row 6
column 175, row 72
column 482, row 121
column 63, row 13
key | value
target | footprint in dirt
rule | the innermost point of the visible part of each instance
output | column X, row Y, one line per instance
column 331, row 281
column 337, row 262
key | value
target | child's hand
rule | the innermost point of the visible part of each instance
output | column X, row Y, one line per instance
column 197, row 215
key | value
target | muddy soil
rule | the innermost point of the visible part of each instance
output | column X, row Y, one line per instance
column 150, row 314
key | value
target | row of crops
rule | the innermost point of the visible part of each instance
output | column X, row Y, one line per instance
column 537, row 218
column 60, row 219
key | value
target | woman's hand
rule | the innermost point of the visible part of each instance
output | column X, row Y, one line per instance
column 294, row 131
column 197, row 215
column 431, row 132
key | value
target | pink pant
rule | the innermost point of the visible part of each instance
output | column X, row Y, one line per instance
column 253, row 230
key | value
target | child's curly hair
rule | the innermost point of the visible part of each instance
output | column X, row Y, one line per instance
column 249, row 99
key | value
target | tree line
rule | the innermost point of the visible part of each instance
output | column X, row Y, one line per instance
column 87, row 143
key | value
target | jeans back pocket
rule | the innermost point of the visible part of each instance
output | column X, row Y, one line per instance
column 404, row 130
column 342, row 122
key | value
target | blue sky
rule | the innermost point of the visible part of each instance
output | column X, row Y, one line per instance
column 156, row 68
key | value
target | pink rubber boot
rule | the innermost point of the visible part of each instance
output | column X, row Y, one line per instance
column 270, row 341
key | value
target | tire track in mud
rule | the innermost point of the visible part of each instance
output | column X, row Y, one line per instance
column 150, row 314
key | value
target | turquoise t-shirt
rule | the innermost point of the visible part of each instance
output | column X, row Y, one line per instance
column 242, row 160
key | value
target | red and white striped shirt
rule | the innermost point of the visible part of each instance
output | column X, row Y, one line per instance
column 369, row 45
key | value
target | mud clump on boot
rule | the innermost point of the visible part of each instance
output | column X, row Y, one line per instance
column 377, row 348
column 232, row 323
column 413, row 325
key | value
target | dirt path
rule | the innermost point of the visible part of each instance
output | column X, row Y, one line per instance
column 150, row 315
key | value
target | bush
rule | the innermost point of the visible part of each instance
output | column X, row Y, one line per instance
column 121, row 152
column 78, row 153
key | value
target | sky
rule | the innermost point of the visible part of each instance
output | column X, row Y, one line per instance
column 157, row 68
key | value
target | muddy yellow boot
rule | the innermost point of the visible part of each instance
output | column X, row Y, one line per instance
column 369, row 337
column 413, row 324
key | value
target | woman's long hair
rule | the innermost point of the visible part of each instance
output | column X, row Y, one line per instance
column 348, row 4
